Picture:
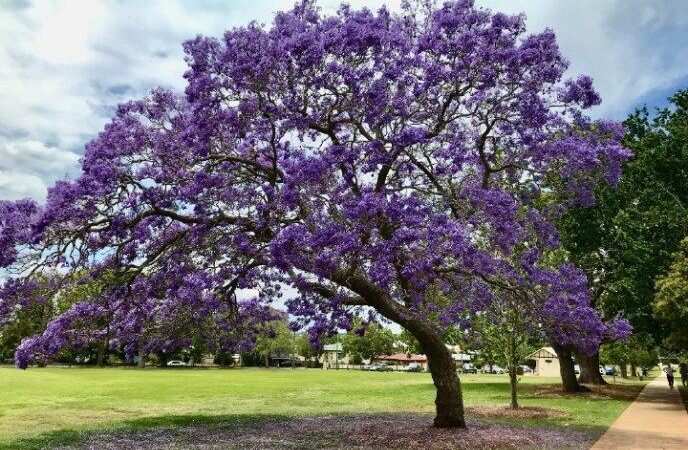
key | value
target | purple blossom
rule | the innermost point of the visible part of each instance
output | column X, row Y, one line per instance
column 367, row 159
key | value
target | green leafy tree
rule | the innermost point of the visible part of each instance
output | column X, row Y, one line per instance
column 643, row 353
column 639, row 351
column 503, row 332
column 375, row 341
column 409, row 344
column 25, row 322
column 305, row 348
column 617, row 354
column 625, row 242
column 276, row 340
column 29, row 316
column 671, row 300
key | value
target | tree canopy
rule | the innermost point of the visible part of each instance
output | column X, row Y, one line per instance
column 363, row 158
column 625, row 241
column 671, row 300
column 369, row 342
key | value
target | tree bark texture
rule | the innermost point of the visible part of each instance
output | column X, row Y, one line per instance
column 567, row 369
column 589, row 369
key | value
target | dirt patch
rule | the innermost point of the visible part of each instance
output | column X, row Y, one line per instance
column 407, row 431
column 524, row 412
column 606, row 392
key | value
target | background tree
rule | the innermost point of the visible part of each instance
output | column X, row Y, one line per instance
column 24, row 312
column 366, row 159
column 616, row 354
column 276, row 339
column 625, row 241
column 671, row 300
column 408, row 343
column 643, row 353
column 305, row 349
column 369, row 342
column 503, row 332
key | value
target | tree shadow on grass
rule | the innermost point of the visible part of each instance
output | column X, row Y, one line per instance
column 71, row 438
column 684, row 396
column 336, row 432
column 624, row 392
column 496, row 393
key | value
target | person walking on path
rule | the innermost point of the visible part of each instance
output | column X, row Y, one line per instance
column 683, row 369
column 670, row 375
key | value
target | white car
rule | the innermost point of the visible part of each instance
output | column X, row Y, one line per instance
column 498, row 370
column 414, row 367
column 176, row 363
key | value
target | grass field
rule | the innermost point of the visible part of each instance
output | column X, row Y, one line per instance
column 48, row 406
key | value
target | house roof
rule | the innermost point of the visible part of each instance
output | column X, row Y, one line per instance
column 402, row 357
column 543, row 352
column 336, row 347
column 461, row 356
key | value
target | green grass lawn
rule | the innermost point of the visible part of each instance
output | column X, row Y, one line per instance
column 43, row 407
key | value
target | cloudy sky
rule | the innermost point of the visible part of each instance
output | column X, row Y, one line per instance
column 65, row 64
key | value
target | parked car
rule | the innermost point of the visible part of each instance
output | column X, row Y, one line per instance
column 382, row 368
column 609, row 370
column 176, row 363
column 498, row 370
column 576, row 369
column 414, row 367
column 469, row 368
column 367, row 367
column 526, row 369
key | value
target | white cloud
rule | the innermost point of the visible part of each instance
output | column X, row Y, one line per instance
column 65, row 64
column 28, row 166
column 42, row 159
column 629, row 48
column 15, row 185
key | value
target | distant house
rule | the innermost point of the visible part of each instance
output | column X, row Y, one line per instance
column 461, row 358
column 458, row 355
column 546, row 362
column 333, row 356
column 402, row 360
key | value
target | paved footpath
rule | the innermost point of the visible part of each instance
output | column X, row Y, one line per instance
column 655, row 420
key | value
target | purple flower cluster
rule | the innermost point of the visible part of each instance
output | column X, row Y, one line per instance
column 364, row 158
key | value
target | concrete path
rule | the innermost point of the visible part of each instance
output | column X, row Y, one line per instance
column 655, row 420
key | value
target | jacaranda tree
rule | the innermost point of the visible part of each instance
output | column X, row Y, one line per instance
column 365, row 159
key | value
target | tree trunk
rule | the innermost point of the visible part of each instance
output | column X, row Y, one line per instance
column 103, row 349
column 624, row 371
column 448, row 401
column 100, row 360
column 513, row 380
column 567, row 369
column 267, row 361
column 634, row 370
column 513, row 376
column 142, row 358
column 449, row 398
column 589, row 369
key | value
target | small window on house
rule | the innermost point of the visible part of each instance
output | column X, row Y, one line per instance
column 548, row 360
